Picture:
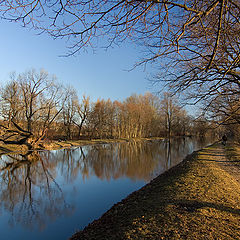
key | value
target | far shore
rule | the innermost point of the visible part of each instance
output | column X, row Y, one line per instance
column 197, row 199
column 54, row 144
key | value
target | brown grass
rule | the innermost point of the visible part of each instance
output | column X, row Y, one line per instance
column 54, row 145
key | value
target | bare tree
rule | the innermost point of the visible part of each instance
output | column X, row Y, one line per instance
column 38, row 103
column 197, row 42
column 225, row 109
column 201, row 126
column 101, row 119
column 170, row 110
column 82, row 113
column 69, row 111
column 225, row 113
column 11, row 106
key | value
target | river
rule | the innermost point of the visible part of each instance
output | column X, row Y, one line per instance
column 52, row 194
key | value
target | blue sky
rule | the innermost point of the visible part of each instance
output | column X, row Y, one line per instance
column 99, row 75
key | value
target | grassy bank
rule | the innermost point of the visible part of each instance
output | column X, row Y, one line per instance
column 198, row 199
column 54, row 145
column 65, row 144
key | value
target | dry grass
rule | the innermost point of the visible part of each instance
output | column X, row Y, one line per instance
column 12, row 148
column 198, row 199
column 54, row 145
column 65, row 144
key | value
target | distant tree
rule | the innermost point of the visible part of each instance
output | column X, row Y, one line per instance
column 69, row 111
column 11, row 106
column 120, row 115
column 170, row 109
column 182, row 123
column 225, row 109
column 33, row 106
column 30, row 103
column 225, row 113
column 82, row 113
column 151, row 106
column 98, row 119
column 134, row 112
column 201, row 126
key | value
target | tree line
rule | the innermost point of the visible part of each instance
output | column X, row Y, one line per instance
column 35, row 107
column 195, row 44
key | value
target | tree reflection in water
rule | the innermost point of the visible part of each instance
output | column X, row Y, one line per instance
column 29, row 191
column 31, row 194
column 134, row 160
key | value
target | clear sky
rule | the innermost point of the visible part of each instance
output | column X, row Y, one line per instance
column 100, row 75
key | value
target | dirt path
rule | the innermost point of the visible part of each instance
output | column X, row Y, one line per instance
column 227, row 157
column 232, row 166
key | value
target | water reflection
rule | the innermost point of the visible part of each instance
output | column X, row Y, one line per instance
column 135, row 160
column 29, row 191
column 34, row 187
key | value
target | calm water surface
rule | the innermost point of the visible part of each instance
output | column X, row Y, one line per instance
column 52, row 194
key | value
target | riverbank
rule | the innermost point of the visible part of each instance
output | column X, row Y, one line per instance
column 54, row 145
column 71, row 143
column 197, row 199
